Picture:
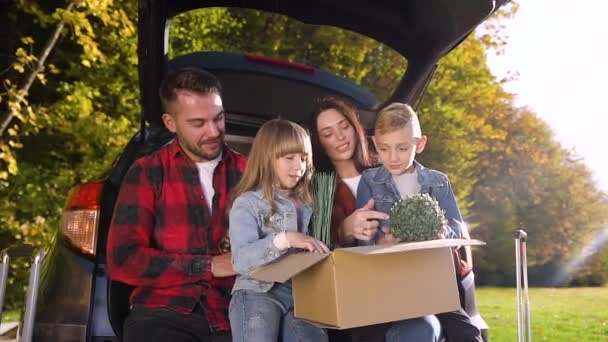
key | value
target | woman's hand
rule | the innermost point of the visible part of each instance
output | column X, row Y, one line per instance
column 303, row 241
column 362, row 224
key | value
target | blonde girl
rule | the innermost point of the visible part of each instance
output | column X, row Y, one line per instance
column 269, row 217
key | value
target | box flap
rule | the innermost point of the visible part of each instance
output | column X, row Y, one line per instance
column 285, row 268
column 411, row 246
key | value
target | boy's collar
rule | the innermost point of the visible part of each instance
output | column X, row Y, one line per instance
column 425, row 178
column 383, row 175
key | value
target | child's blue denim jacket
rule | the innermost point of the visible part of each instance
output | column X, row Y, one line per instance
column 252, row 232
column 378, row 183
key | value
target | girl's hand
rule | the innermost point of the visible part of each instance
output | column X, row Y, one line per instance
column 303, row 241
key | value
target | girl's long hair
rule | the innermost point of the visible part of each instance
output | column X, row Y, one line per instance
column 275, row 139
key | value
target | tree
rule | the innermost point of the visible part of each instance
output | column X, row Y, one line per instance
column 73, row 120
column 547, row 190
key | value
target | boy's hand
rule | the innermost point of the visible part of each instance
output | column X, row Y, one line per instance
column 387, row 238
column 221, row 265
column 444, row 232
column 303, row 241
column 362, row 224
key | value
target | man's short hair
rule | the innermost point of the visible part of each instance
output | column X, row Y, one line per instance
column 190, row 79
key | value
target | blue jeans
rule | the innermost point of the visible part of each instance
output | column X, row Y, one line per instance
column 421, row 329
column 268, row 317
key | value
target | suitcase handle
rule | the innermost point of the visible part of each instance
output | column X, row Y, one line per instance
column 520, row 235
column 524, row 330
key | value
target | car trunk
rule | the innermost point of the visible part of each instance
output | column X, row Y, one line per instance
column 422, row 31
column 256, row 89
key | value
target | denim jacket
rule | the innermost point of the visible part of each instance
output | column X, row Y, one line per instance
column 252, row 232
column 378, row 183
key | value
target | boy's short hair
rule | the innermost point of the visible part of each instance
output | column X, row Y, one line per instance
column 191, row 79
column 396, row 116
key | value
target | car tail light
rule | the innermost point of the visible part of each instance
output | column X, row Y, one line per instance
column 280, row 63
column 81, row 217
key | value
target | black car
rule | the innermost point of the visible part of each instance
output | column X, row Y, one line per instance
column 77, row 301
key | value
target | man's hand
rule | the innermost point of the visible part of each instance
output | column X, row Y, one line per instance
column 221, row 265
column 362, row 224
column 299, row 240
column 387, row 238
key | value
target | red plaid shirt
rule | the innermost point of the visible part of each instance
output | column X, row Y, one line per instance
column 162, row 236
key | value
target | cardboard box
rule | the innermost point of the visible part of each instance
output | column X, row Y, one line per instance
column 359, row 286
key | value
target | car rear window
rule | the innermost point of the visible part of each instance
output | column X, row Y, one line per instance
column 348, row 54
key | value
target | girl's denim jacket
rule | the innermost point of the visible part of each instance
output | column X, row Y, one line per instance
column 378, row 183
column 252, row 231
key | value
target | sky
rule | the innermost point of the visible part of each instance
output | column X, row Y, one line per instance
column 560, row 50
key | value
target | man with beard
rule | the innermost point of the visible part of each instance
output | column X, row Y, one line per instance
column 168, row 228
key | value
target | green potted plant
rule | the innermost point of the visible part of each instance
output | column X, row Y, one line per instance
column 324, row 186
column 417, row 218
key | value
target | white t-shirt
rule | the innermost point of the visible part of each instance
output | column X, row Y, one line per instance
column 407, row 183
column 205, row 175
column 352, row 183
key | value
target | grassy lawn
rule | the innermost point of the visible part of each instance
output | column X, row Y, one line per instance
column 573, row 314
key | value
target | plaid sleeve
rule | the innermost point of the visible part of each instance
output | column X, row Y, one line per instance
column 132, row 259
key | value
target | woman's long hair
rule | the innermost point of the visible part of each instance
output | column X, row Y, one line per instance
column 321, row 160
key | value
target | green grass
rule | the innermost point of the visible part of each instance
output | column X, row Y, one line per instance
column 570, row 314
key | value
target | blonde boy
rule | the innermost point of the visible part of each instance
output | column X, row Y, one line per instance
column 398, row 139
